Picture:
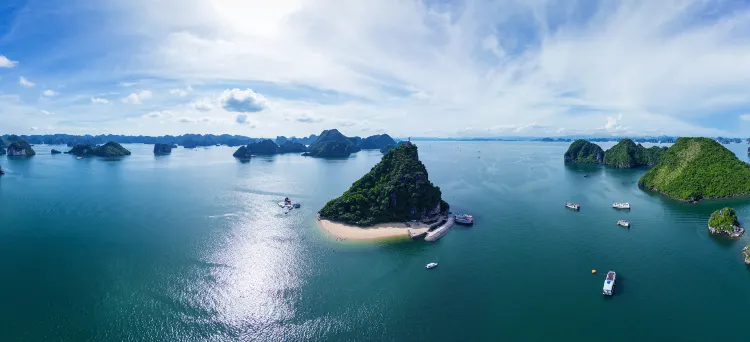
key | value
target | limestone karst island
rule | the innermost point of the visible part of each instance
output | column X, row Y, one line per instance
column 394, row 199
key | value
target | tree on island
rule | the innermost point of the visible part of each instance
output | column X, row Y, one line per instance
column 397, row 189
column 724, row 221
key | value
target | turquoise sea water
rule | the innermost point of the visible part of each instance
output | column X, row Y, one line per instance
column 193, row 246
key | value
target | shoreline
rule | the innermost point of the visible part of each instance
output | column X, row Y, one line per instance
column 382, row 231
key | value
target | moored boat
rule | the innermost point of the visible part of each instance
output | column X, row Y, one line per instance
column 431, row 265
column 609, row 283
column 464, row 219
column 573, row 206
column 621, row 205
column 623, row 223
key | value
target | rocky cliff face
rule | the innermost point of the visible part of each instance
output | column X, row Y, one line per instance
column 161, row 149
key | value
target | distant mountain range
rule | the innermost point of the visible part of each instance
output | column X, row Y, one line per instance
column 196, row 140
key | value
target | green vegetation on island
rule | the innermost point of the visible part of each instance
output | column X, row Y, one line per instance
column 110, row 149
column 724, row 221
column 19, row 147
column 698, row 168
column 582, row 151
column 626, row 154
column 397, row 189
column 746, row 254
column 162, row 149
column 376, row 142
column 266, row 146
column 331, row 143
column 387, row 148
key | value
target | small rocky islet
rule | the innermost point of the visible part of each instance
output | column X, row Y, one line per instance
column 17, row 147
column 397, row 189
column 110, row 149
column 725, row 222
column 162, row 149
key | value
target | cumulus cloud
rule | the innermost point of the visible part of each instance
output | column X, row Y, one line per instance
column 201, row 105
column 99, row 100
column 241, row 119
column 25, row 82
column 244, row 101
column 5, row 62
column 137, row 98
column 128, row 84
column 745, row 117
column 33, row 128
column 346, row 123
column 46, row 112
column 194, row 120
column 50, row 93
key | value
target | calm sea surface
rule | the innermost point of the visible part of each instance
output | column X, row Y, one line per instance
column 193, row 246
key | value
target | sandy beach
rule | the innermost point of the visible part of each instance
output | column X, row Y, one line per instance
column 375, row 232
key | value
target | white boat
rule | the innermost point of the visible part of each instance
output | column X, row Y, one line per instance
column 464, row 219
column 431, row 265
column 609, row 283
column 573, row 206
column 623, row 223
column 621, row 205
column 79, row 158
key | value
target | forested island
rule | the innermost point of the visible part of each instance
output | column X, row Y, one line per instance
column 625, row 154
column 162, row 149
column 110, row 149
column 331, row 143
column 397, row 189
column 18, row 147
column 698, row 168
column 724, row 221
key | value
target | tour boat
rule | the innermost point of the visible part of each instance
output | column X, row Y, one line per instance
column 623, row 223
column 79, row 158
column 431, row 265
column 609, row 283
column 621, row 205
column 464, row 219
column 288, row 204
column 573, row 206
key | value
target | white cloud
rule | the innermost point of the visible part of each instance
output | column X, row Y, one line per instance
column 25, row 82
column 50, row 93
column 178, row 92
column 46, row 112
column 241, row 118
column 137, row 98
column 158, row 114
column 244, row 101
column 5, row 62
column 33, row 128
column 745, row 117
column 307, row 118
column 195, row 120
column 128, row 84
column 99, row 100
column 201, row 105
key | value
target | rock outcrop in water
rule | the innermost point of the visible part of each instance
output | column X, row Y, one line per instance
column 162, row 149
column 331, row 143
column 746, row 254
column 263, row 147
column 724, row 221
column 54, row 151
column 243, row 153
column 19, row 147
column 110, row 149
column 694, row 169
column 397, row 189
column 376, row 142
column 582, row 151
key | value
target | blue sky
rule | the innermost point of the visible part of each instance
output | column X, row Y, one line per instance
column 409, row 68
